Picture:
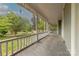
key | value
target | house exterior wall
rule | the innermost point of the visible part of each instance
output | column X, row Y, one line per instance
column 77, row 30
column 67, row 26
column 71, row 27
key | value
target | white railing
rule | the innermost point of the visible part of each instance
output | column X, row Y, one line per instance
column 15, row 45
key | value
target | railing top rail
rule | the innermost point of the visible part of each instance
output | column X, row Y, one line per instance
column 16, row 38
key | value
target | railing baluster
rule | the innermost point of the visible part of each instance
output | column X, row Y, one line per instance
column 30, row 40
column 6, row 48
column 21, row 43
column 12, row 47
column 24, row 42
column 0, row 49
column 17, row 44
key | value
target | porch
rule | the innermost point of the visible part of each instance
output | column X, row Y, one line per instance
column 51, row 45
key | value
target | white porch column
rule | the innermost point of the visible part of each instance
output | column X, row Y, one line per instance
column 36, row 20
column 66, row 25
column 73, row 27
column 76, row 28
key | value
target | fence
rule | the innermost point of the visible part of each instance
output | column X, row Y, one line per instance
column 14, row 45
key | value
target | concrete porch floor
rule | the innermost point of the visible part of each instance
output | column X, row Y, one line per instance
column 52, row 45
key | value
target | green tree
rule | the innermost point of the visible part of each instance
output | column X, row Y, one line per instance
column 41, row 24
column 4, row 25
column 13, row 23
column 27, row 26
column 53, row 27
column 17, row 24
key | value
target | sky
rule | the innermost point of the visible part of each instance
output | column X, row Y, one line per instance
column 4, row 8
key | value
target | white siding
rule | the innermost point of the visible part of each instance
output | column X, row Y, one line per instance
column 77, row 30
column 67, row 25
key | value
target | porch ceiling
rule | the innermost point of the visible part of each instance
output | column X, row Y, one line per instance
column 51, row 11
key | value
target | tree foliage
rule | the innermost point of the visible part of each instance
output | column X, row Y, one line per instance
column 13, row 23
column 27, row 26
column 4, row 25
column 16, row 23
column 41, row 24
column 53, row 27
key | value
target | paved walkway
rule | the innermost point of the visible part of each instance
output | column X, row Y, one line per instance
column 52, row 45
